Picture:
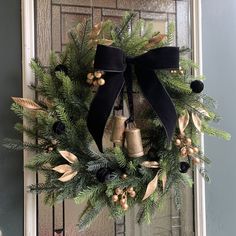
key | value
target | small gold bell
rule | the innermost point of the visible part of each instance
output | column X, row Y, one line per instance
column 118, row 129
column 134, row 142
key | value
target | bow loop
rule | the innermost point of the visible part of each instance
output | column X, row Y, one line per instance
column 119, row 73
column 106, row 61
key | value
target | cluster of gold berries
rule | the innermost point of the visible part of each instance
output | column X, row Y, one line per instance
column 187, row 149
column 180, row 71
column 95, row 78
column 121, row 196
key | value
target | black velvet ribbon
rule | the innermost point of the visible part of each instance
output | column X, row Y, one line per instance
column 118, row 72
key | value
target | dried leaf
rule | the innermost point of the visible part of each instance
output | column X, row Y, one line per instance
column 106, row 42
column 150, row 164
column 151, row 187
column 157, row 39
column 70, row 157
column 203, row 112
column 163, row 179
column 26, row 103
column 197, row 121
column 95, row 30
column 47, row 102
column 68, row 176
column 62, row 168
column 92, row 43
column 183, row 122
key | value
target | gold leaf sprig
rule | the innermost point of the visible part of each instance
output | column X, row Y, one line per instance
column 184, row 121
column 96, row 30
column 65, row 169
column 155, row 40
column 151, row 187
column 150, row 164
column 27, row 103
column 197, row 121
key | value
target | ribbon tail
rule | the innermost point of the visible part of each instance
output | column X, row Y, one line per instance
column 159, row 99
column 102, row 104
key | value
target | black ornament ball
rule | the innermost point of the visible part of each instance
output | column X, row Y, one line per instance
column 61, row 68
column 105, row 174
column 58, row 127
column 153, row 155
column 183, row 167
column 197, row 86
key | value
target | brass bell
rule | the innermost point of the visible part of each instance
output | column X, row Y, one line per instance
column 134, row 142
column 118, row 129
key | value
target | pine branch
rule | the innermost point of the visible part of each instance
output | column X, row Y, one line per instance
column 89, row 214
column 87, row 193
column 120, row 158
column 215, row 132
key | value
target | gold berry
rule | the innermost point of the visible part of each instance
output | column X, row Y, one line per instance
column 118, row 191
column 188, row 141
column 130, row 189
column 54, row 142
column 98, row 74
column 196, row 160
column 124, row 176
column 195, row 149
column 132, row 194
column 50, row 149
column 125, row 207
column 190, row 151
column 183, row 152
column 115, row 198
column 90, row 76
column 177, row 142
column 101, row 82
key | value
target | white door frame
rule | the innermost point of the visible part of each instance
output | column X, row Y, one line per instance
column 199, row 182
column 28, row 52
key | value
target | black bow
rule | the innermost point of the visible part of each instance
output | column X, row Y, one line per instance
column 118, row 71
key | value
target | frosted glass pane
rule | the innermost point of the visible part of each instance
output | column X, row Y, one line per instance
column 56, row 18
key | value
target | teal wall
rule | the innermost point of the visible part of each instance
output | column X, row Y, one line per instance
column 219, row 65
column 11, row 163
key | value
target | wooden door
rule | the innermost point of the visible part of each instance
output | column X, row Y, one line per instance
column 54, row 18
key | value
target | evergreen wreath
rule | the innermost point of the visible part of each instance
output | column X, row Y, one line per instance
column 65, row 152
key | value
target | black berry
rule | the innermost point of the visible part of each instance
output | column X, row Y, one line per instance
column 61, row 68
column 183, row 167
column 58, row 127
column 197, row 86
column 105, row 174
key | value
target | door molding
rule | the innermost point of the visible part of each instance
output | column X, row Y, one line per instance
column 28, row 52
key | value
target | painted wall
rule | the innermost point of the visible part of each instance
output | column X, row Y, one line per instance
column 219, row 65
column 11, row 170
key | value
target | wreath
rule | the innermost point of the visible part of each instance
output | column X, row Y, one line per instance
column 134, row 74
